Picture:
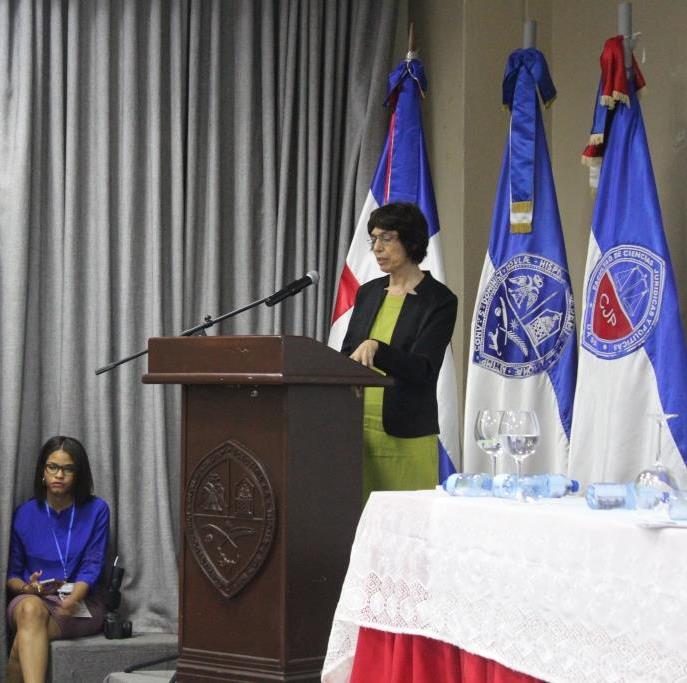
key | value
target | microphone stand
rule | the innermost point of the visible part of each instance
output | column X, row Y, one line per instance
column 196, row 330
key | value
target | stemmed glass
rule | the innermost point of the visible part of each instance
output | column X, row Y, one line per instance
column 487, row 434
column 519, row 434
column 656, row 481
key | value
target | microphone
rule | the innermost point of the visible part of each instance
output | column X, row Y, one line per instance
column 312, row 277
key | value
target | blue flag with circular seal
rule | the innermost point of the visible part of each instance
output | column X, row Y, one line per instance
column 523, row 341
column 633, row 357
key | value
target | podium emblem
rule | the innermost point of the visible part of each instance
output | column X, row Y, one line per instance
column 229, row 516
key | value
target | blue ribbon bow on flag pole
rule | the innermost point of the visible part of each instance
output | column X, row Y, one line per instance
column 526, row 73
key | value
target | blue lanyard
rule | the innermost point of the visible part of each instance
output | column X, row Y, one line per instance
column 65, row 557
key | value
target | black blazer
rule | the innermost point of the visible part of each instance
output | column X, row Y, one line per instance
column 415, row 354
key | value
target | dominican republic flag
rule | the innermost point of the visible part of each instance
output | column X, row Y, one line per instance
column 522, row 344
column 633, row 360
column 403, row 175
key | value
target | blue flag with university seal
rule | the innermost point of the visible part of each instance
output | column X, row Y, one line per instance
column 633, row 358
column 523, row 345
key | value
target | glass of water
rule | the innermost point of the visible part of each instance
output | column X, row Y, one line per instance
column 657, row 483
column 487, row 434
column 519, row 434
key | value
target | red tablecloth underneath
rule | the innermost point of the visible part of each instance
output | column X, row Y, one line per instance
column 382, row 657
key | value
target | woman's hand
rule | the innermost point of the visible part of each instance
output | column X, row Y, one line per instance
column 68, row 606
column 34, row 585
column 365, row 353
column 34, row 578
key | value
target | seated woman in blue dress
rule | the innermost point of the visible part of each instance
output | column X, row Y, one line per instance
column 57, row 555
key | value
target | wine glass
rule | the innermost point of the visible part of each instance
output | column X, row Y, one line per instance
column 519, row 434
column 655, row 484
column 487, row 434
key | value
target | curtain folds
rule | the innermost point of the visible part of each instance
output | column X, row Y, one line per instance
column 161, row 160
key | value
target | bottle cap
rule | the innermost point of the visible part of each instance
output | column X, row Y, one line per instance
column 449, row 484
column 574, row 486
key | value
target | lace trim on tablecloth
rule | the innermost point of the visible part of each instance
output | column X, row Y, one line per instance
column 552, row 591
column 392, row 604
column 338, row 663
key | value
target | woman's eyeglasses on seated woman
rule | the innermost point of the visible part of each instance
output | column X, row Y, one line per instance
column 54, row 468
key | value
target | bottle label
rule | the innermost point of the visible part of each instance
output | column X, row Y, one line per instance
column 609, row 496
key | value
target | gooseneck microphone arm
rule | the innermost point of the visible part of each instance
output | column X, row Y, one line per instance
column 312, row 278
column 196, row 330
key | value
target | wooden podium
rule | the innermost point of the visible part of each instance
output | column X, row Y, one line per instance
column 271, row 450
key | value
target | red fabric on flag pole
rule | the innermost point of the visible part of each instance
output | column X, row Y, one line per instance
column 382, row 657
column 390, row 151
column 345, row 295
column 613, row 74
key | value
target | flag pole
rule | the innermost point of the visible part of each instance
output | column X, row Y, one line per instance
column 625, row 30
column 412, row 51
column 529, row 34
column 411, row 54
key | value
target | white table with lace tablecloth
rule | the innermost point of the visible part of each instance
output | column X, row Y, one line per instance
column 551, row 589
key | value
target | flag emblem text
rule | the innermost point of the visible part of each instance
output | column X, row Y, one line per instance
column 624, row 295
column 524, row 317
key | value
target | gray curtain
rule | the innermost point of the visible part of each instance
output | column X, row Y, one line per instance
column 160, row 161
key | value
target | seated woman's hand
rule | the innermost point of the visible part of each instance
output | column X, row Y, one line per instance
column 68, row 606
column 365, row 353
column 43, row 588
column 35, row 586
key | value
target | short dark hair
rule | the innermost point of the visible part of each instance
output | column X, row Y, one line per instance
column 83, row 479
column 410, row 224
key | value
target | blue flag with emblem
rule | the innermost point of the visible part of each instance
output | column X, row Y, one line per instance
column 633, row 358
column 523, row 346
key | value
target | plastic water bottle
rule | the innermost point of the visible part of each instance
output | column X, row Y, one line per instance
column 465, row 484
column 607, row 496
column 677, row 507
column 533, row 487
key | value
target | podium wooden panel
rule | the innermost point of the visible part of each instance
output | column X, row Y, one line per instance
column 271, row 450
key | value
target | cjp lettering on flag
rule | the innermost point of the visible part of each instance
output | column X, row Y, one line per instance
column 403, row 175
column 523, row 345
column 633, row 358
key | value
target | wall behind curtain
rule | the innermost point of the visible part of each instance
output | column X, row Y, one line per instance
column 160, row 161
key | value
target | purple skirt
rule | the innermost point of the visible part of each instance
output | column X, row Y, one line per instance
column 70, row 627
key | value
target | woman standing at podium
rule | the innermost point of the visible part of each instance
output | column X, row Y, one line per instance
column 57, row 554
column 401, row 325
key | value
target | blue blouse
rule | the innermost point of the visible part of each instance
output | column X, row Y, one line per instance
column 40, row 536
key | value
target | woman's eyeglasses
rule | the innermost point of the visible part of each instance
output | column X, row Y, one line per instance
column 385, row 238
column 54, row 468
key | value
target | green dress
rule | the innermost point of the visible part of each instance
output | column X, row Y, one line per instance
column 392, row 463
